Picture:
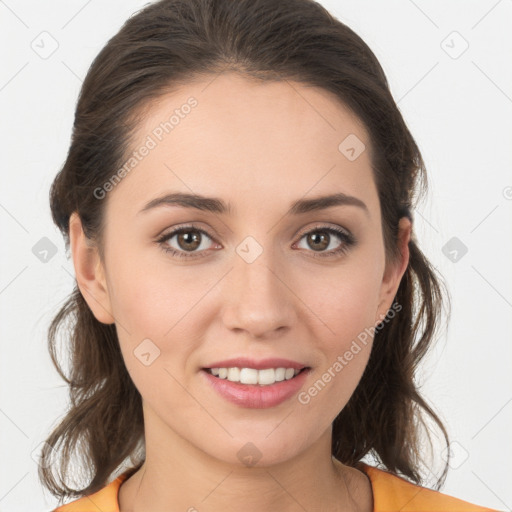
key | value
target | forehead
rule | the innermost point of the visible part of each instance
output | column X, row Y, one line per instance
column 234, row 137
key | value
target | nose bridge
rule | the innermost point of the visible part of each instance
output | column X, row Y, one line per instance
column 259, row 302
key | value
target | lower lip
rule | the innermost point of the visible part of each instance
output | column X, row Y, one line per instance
column 255, row 396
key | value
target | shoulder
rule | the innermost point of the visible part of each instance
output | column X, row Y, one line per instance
column 392, row 493
column 105, row 500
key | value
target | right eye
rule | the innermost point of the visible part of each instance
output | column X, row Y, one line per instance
column 189, row 239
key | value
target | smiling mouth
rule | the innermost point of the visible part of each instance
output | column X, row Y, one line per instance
column 251, row 376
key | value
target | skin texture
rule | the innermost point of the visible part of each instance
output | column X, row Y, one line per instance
column 259, row 147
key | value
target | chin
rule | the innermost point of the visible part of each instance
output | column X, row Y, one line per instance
column 261, row 449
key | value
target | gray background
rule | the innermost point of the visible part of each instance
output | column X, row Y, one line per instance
column 457, row 102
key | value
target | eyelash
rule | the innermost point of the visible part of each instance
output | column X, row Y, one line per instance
column 347, row 239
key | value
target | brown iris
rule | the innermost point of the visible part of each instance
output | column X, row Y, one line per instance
column 316, row 237
column 189, row 240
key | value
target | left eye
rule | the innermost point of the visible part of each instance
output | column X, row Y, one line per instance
column 322, row 239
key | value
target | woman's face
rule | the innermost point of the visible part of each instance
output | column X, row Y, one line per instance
column 260, row 281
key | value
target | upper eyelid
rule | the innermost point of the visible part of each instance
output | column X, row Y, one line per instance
column 303, row 231
column 319, row 225
column 184, row 228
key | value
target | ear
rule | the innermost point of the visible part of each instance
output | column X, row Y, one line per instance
column 89, row 271
column 394, row 271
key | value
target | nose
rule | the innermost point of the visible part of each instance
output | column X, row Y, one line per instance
column 258, row 298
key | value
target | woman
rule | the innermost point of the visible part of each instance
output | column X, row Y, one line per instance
column 251, row 303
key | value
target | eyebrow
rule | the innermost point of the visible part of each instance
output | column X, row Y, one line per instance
column 216, row 205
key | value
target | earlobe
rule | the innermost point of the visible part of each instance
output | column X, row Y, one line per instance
column 89, row 272
column 394, row 273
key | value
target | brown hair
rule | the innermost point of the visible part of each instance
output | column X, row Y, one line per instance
column 169, row 43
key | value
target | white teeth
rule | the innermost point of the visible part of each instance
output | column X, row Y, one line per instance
column 267, row 376
column 289, row 373
column 263, row 377
column 233, row 374
column 280, row 373
column 248, row 376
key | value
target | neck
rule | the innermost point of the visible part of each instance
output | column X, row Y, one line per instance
column 178, row 476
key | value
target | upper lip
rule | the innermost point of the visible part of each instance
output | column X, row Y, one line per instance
column 261, row 364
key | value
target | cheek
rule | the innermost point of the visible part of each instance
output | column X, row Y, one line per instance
column 345, row 356
column 157, row 309
column 150, row 300
column 344, row 303
column 151, row 323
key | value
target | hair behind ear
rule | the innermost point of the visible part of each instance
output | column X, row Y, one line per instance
column 378, row 417
column 104, row 424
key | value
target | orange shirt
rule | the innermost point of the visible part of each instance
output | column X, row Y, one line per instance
column 390, row 494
